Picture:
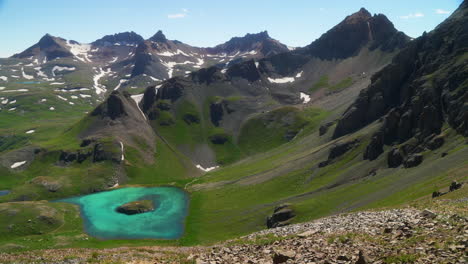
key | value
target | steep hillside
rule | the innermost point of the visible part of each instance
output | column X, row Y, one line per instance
column 206, row 114
column 353, row 121
column 424, row 89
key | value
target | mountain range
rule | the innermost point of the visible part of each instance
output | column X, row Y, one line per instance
column 256, row 134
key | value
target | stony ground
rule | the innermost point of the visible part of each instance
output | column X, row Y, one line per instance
column 392, row 236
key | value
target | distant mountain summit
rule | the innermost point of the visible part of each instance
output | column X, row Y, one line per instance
column 158, row 37
column 260, row 42
column 124, row 38
column 48, row 48
column 356, row 31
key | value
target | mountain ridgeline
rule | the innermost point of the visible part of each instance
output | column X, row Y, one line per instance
column 255, row 134
column 423, row 88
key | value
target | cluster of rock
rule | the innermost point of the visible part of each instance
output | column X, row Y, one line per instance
column 394, row 236
column 415, row 96
column 136, row 207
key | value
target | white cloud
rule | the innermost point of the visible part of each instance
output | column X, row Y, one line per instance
column 179, row 15
column 413, row 15
column 442, row 11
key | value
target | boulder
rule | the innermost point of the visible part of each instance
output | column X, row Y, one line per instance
column 413, row 160
column 428, row 214
column 219, row 138
column 375, row 147
column 341, row 148
column 436, row 194
column 216, row 113
column 282, row 256
column 324, row 128
column 455, row 186
column 394, row 158
column 362, row 259
column 281, row 216
column 136, row 207
column 436, row 142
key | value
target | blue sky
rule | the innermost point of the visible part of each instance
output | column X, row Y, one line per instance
column 202, row 22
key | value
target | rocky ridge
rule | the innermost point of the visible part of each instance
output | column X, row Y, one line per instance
column 407, row 235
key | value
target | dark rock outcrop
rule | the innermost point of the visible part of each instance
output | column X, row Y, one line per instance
column 246, row 70
column 422, row 87
column 394, row 158
column 113, row 107
column 216, row 112
column 219, row 138
column 323, row 129
column 375, row 147
column 137, row 207
column 341, row 148
column 281, row 216
column 413, row 160
column 455, row 186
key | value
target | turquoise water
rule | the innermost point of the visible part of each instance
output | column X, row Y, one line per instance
column 4, row 192
column 29, row 82
column 101, row 220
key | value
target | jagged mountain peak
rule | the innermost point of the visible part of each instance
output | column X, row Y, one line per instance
column 158, row 37
column 48, row 39
column 361, row 15
column 257, row 41
column 120, row 38
column 354, row 32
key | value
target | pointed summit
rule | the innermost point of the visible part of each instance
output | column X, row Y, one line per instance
column 361, row 15
column 356, row 31
column 158, row 37
column 124, row 38
column 48, row 46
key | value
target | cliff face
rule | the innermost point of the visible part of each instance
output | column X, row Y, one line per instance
column 354, row 32
column 423, row 88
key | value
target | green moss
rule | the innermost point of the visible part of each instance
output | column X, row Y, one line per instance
column 323, row 82
column 270, row 130
column 345, row 83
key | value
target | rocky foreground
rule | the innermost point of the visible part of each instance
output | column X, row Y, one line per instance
column 392, row 236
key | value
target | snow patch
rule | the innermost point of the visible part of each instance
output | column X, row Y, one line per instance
column 305, row 97
column 30, row 131
column 59, row 69
column 51, row 108
column 299, row 75
column 17, row 164
column 57, row 83
column 17, row 90
column 137, row 98
column 40, row 72
column 120, row 83
column 4, row 78
column 85, row 95
column 122, row 149
column 99, row 87
column 63, row 98
column 80, row 51
column 27, row 77
column 206, row 169
column 281, row 80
